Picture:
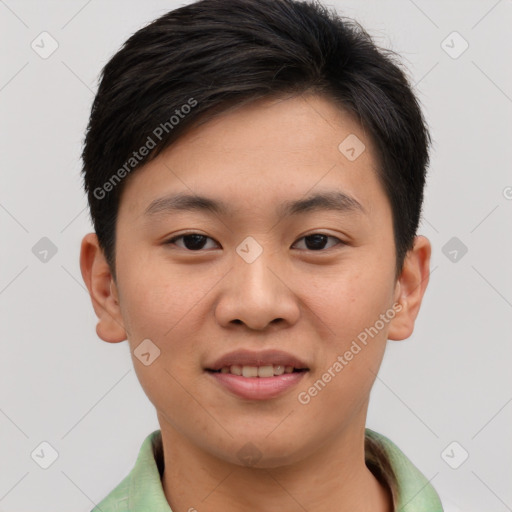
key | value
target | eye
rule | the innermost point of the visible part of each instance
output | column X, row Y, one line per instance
column 197, row 241
column 318, row 241
column 191, row 241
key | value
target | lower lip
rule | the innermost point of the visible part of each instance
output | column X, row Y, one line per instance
column 257, row 388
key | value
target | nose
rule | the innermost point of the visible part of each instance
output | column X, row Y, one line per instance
column 257, row 295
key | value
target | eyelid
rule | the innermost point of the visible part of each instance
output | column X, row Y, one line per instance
column 340, row 241
column 181, row 235
column 171, row 241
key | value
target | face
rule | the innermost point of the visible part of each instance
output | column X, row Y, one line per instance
column 287, row 264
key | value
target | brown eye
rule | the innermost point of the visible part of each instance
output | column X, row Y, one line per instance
column 318, row 241
column 191, row 241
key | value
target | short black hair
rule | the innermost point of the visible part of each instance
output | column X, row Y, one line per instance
column 201, row 59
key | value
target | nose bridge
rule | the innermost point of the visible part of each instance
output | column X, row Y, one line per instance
column 255, row 280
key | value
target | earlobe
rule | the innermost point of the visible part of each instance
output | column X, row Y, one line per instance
column 102, row 289
column 410, row 289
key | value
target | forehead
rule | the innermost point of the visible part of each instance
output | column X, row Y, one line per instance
column 269, row 151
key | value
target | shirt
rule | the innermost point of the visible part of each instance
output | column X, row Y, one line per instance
column 142, row 491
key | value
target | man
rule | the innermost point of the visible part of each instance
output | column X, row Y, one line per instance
column 255, row 174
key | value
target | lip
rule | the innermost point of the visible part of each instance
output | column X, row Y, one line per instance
column 261, row 358
column 257, row 388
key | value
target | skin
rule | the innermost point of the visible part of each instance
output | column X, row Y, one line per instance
column 198, row 305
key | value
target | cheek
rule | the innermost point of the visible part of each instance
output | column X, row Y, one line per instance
column 162, row 310
column 166, row 306
column 351, row 304
column 347, row 301
column 154, row 297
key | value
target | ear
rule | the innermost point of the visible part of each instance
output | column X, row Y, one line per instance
column 410, row 288
column 102, row 289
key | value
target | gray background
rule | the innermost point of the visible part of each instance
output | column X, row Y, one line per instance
column 60, row 384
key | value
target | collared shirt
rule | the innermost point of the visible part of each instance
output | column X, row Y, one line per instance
column 142, row 491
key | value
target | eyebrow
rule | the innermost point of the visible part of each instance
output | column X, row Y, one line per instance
column 329, row 200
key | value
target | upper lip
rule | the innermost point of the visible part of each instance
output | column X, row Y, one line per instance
column 261, row 358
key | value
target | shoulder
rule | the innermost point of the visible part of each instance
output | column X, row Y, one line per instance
column 117, row 500
column 415, row 493
column 145, row 472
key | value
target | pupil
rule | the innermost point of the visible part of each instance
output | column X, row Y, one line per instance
column 318, row 241
column 193, row 242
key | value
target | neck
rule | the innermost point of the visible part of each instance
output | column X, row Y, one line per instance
column 334, row 478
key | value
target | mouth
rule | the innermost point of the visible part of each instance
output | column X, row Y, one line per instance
column 263, row 364
column 260, row 375
column 265, row 371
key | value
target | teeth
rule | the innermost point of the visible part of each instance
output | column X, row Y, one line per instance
column 278, row 370
column 249, row 371
column 235, row 370
column 257, row 371
column 266, row 371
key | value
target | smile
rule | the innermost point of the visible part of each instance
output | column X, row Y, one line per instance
column 259, row 371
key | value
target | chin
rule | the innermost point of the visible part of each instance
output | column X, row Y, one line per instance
column 260, row 453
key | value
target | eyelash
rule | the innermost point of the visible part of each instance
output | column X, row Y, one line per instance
column 172, row 241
